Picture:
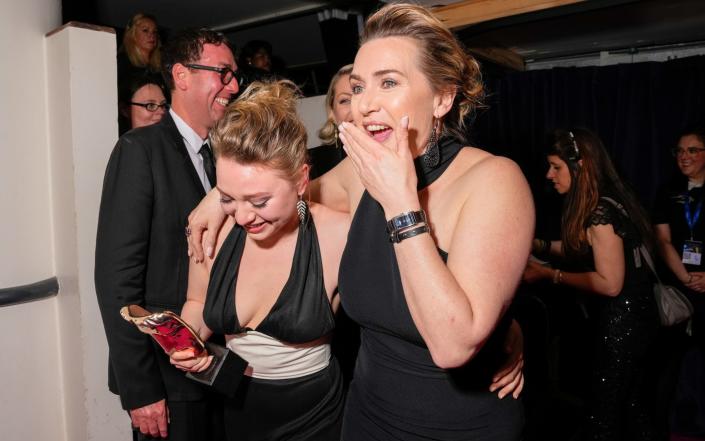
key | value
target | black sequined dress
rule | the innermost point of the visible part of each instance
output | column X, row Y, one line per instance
column 624, row 329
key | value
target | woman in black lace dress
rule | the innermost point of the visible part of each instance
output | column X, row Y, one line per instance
column 603, row 227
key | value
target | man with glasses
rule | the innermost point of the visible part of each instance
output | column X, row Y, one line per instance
column 155, row 177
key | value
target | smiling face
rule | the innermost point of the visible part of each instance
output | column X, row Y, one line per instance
column 691, row 165
column 140, row 116
column 559, row 174
column 259, row 197
column 387, row 84
column 200, row 98
column 341, row 100
column 146, row 35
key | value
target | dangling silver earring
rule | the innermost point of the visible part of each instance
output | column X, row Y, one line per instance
column 302, row 209
column 432, row 155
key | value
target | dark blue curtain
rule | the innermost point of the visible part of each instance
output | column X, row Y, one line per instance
column 637, row 109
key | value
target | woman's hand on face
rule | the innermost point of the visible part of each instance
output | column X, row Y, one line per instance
column 188, row 362
column 697, row 283
column 535, row 271
column 386, row 172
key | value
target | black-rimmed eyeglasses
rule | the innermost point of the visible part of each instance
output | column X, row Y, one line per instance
column 226, row 74
column 678, row 151
column 152, row 107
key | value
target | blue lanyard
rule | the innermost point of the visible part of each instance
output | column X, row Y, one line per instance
column 691, row 219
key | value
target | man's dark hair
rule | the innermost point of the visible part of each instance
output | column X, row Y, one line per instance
column 127, row 89
column 696, row 130
column 185, row 47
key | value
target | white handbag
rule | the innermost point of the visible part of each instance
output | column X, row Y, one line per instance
column 673, row 306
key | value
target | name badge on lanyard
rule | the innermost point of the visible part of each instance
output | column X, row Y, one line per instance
column 692, row 249
column 692, row 252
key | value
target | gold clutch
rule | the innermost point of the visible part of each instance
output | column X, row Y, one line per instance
column 166, row 328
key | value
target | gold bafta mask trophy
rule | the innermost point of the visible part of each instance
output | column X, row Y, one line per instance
column 172, row 333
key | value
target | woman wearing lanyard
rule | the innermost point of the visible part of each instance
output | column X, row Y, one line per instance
column 679, row 224
column 677, row 216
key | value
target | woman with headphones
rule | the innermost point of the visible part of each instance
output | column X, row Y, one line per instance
column 602, row 228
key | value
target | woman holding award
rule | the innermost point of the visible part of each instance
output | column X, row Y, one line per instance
column 272, row 285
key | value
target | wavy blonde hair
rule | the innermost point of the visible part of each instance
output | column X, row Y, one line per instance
column 262, row 127
column 442, row 58
column 129, row 44
column 329, row 133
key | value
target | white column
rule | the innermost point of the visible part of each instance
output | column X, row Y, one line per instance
column 82, row 84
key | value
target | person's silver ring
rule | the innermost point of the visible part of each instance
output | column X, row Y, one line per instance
column 188, row 231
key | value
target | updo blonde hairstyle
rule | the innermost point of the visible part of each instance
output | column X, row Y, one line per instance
column 262, row 127
column 328, row 133
column 441, row 58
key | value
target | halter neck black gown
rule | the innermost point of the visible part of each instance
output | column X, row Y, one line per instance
column 305, row 408
column 397, row 392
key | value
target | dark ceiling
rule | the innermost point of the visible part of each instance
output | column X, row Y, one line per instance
column 594, row 26
column 292, row 25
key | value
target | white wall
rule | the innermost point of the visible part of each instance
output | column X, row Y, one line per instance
column 312, row 112
column 57, row 128
column 31, row 406
column 81, row 72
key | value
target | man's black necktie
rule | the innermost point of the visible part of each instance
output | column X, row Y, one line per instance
column 208, row 163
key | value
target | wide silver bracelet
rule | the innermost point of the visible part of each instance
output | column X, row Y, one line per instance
column 405, row 220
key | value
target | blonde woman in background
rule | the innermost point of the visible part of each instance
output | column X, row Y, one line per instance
column 139, row 51
column 330, row 153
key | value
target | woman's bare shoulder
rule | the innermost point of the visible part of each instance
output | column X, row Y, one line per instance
column 479, row 167
column 327, row 218
column 336, row 187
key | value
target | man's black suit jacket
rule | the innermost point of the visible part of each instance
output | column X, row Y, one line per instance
column 149, row 189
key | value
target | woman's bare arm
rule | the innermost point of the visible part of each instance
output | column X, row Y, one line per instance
column 608, row 277
column 456, row 307
column 668, row 252
column 192, row 311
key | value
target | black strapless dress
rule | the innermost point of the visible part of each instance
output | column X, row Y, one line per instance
column 397, row 392
column 303, row 408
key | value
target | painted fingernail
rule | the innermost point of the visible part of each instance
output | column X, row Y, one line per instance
column 209, row 251
column 405, row 121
